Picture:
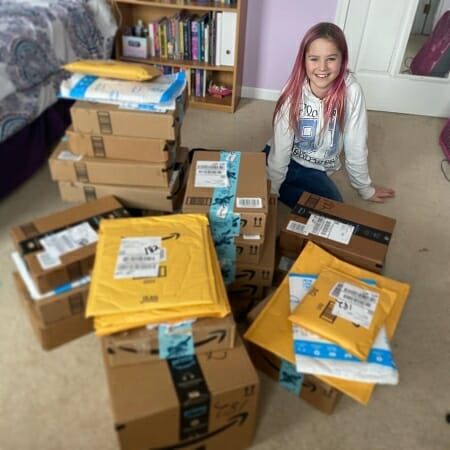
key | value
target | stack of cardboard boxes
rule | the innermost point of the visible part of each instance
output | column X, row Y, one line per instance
column 207, row 399
column 54, row 257
column 133, row 155
column 358, row 238
column 188, row 383
column 231, row 189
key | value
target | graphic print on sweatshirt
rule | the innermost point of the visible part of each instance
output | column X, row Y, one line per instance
column 312, row 144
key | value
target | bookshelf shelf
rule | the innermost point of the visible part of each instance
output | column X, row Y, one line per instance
column 216, row 55
column 184, row 4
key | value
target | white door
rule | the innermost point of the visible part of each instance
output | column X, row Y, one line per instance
column 377, row 33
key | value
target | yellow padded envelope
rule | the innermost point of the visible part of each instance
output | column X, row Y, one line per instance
column 151, row 263
column 113, row 69
column 345, row 311
column 273, row 331
column 119, row 322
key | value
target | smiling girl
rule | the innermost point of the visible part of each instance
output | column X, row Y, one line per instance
column 321, row 111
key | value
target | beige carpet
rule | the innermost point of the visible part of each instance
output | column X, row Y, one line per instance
column 58, row 400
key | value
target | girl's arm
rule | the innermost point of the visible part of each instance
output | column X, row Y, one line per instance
column 280, row 152
column 355, row 142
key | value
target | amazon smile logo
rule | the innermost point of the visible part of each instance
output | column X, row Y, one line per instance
column 215, row 335
column 234, row 421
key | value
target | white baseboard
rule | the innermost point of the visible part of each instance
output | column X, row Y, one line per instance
column 260, row 94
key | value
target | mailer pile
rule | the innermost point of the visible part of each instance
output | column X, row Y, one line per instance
column 161, row 310
column 155, row 269
column 119, row 146
column 54, row 257
column 332, row 321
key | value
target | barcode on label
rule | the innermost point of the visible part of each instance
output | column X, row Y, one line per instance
column 129, row 267
column 47, row 260
column 337, row 289
column 326, row 228
column 354, row 294
column 317, row 223
column 355, row 304
column 329, row 229
column 138, row 257
column 58, row 244
column 162, row 254
column 296, row 227
column 242, row 202
column 211, row 167
column 199, row 201
column 211, row 172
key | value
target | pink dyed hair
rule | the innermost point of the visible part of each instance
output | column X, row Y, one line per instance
column 292, row 92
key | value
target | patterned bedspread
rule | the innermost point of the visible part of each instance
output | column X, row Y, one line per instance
column 36, row 38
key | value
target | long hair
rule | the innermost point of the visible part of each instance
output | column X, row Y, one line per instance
column 292, row 92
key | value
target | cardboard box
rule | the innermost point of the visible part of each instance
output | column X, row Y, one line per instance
column 57, row 333
column 283, row 262
column 141, row 345
column 369, row 233
column 60, row 306
column 157, row 199
column 261, row 273
column 47, row 272
column 106, row 119
column 248, row 250
column 122, row 147
column 245, row 291
column 254, row 312
column 65, row 166
column 314, row 391
column 251, row 191
column 207, row 401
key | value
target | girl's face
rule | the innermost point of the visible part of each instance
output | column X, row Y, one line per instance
column 323, row 62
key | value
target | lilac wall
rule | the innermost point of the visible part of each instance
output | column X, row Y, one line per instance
column 273, row 34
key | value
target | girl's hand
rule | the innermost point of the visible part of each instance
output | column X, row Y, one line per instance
column 381, row 194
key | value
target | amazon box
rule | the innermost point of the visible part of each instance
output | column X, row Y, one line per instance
column 60, row 248
column 206, row 401
column 229, row 187
column 106, row 119
column 121, row 147
column 249, row 249
column 61, row 304
column 167, row 199
column 260, row 273
column 56, row 333
column 314, row 391
column 66, row 166
column 141, row 345
column 354, row 235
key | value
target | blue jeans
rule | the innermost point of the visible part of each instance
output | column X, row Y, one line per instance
column 301, row 179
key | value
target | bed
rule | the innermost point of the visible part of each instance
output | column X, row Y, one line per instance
column 36, row 38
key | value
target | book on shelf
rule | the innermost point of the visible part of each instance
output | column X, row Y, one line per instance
column 209, row 37
column 218, row 41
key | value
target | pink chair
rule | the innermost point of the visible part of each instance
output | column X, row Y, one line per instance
column 433, row 58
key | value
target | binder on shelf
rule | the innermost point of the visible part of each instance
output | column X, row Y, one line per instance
column 218, row 38
column 228, row 38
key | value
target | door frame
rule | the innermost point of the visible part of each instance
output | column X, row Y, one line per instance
column 401, row 83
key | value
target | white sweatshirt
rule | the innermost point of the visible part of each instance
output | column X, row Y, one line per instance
column 321, row 150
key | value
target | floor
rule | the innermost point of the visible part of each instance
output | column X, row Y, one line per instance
column 59, row 400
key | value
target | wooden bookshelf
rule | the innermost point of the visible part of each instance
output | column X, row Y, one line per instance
column 201, row 65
